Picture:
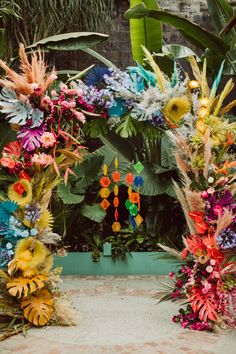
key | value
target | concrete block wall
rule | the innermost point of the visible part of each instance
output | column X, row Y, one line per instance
column 118, row 48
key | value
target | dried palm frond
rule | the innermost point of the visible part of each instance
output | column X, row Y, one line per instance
column 195, row 69
column 171, row 251
column 181, row 197
column 227, row 108
column 223, row 221
column 204, row 84
column 226, row 91
column 194, row 200
column 207, row 152
column 32, row 74
column 64, row 314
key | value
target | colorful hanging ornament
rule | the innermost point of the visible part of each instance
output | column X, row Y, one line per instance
column 133, row 202
column 116, row 226
column 105, row 191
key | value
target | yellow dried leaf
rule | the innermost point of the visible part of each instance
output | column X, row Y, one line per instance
column 38, row 309
column 22, row 287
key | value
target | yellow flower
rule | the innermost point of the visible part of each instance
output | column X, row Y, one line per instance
column 176, row 108
column 201, row 126
column 46, row 220
column 20, row 192
column 32, row 257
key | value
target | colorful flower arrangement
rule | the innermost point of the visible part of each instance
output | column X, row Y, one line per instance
column 204, row 147
column 46, row 116
column 141, row 94
column 195, row 117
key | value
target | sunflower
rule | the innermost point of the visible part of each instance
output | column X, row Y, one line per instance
column 20, row 192
column 32, row 257
column 176, row 108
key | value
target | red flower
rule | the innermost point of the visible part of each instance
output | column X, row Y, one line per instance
column 18, row 188
column 24, row 175
column 200, row 225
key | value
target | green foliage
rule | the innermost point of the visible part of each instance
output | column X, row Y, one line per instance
column 95, row 128
column 204, row 38
column 66, row 196
column 217, row 47
column 128, row 127
column 70, row 41
column 86, row 173
column 93, row 212
column 56, row 16
column 145, row 32
column 6, row 134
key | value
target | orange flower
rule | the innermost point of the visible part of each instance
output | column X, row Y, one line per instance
column 8, row 162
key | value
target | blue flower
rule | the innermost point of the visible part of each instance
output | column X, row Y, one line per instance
column 95, row 76
column 227, row 239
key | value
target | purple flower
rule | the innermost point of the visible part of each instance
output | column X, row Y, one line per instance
column 227, row 239
column 30, row 138
column 223, row 199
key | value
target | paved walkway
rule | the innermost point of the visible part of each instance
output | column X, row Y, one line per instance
column 119, row 315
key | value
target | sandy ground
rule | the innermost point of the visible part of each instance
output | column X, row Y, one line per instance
column 119, row 315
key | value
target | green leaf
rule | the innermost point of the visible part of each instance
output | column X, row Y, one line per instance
column 93, row 212
column 221, row 12
column 167, row 157
column 86, row 172
column 177, row 51
column 145, row 31
column 66, row 196
column 70, row 41
column 202, row 37
column 98, row 56
column 6, row 134
column 128, row 127
column 95, row 128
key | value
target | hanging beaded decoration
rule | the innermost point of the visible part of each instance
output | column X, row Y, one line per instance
column 105, row 191
column 116, row 226
column 133, row 201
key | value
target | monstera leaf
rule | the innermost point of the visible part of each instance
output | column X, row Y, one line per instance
column 204, row 304
column 38, row 308
column 16, row 111
column 22, row 287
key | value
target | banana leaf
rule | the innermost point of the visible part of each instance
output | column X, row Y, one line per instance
column 70, row 41
column 221, row 12
column 203, row 38
column 145, row 31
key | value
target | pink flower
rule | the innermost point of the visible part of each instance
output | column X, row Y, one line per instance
column 171, row 274
column 53, row 77
column 217, row 210
column 72, row 104
column 64, row 87
column 47, row 159
column 70, row 92
column 47, row 139
column 65, row 104
column 8, row 162
column 204, row 194
column 209, row 269
column 42, row 159
column 79, row 92
column 80, row 116
column 54, row 93
column 207, row 286
column 211, row 190
column 212, row 262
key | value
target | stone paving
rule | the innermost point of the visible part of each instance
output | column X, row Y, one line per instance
column 119, row 315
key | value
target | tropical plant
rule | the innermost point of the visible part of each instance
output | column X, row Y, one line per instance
column 57, row 17
column 145, row 32
column 217, row 47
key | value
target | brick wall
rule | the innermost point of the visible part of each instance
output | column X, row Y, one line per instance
column 118, row 49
